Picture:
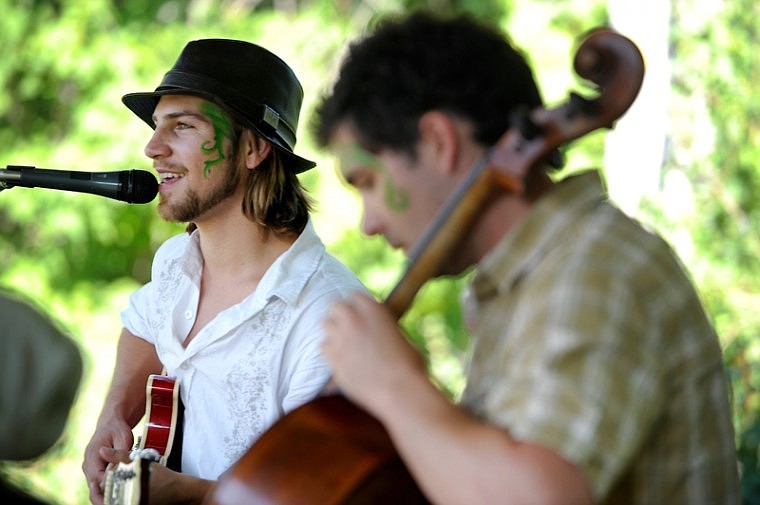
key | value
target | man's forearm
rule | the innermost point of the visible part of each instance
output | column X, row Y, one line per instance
column 135, row 360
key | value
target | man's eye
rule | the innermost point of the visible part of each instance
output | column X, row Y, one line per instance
column 362, row 181
column 182, row 126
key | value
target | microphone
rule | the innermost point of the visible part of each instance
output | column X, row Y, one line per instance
column 131, row 186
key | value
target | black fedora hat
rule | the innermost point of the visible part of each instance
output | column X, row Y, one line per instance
column 251, row 81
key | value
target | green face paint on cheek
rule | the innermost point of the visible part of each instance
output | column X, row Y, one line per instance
column 354, row 155
column 222, row 130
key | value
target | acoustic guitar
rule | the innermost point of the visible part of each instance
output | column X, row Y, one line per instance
column 329, row 451
column 161, row 442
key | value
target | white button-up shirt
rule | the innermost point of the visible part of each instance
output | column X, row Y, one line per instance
column 255, row 360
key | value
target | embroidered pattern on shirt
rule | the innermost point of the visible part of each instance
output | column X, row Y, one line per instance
column 168, row 287
column 250, row 379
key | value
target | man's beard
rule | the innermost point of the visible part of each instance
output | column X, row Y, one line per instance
column 193, row 206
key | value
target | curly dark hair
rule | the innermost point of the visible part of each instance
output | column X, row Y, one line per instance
column 409, row 66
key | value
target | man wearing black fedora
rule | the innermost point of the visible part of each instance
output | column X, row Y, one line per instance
column 234, row 306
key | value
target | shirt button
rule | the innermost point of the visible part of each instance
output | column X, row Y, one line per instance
column 188, row 314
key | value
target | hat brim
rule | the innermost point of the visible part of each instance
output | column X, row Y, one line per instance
column 143, row 104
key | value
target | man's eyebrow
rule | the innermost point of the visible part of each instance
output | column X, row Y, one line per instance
column 184, row 113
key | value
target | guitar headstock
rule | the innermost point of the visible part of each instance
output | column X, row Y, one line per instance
column 125, row 483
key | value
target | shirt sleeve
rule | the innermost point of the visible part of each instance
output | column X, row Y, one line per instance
column 144, row 304
column 306, row 370
column 584, row 369
column 134, row 319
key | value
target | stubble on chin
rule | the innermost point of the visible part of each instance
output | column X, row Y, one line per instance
column 192, row 205
column 182, row 212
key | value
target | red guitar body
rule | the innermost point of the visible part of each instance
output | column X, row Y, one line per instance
column 162, row 413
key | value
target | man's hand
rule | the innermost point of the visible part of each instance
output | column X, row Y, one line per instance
column 110, row 444
column 167, row 487
column 369, row 355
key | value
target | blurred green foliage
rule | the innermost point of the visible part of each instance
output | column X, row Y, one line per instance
column 66, row 64
column 726, row 231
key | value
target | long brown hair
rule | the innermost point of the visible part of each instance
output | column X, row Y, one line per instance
column 274, row 197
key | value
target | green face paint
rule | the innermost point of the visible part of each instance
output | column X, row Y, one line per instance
column 222, row 130
column 354, row 155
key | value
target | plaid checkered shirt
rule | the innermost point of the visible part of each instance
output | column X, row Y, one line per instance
column 590, row 339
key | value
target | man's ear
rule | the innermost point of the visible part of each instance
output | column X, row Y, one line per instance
column 439, row 140
column 255, row 149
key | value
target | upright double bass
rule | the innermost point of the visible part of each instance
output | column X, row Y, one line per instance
column 331, row 452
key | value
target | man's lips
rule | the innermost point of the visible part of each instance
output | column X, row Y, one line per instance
column 168, row 178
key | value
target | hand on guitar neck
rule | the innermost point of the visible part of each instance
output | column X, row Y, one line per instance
column 143, row 481
column 129, row 473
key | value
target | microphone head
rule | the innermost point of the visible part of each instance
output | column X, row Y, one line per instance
column 142, row 187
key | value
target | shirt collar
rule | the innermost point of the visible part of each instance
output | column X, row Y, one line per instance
column 551, row 217
column 290, row 272
column 285, row 278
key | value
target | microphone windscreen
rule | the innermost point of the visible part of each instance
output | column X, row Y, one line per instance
column 143, row 187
